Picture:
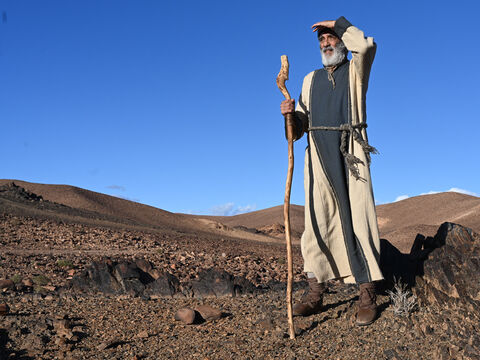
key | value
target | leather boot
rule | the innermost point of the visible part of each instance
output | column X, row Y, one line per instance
column 311, row 302
column 366, row 305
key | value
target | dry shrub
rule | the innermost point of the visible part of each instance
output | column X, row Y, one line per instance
column 403, row 301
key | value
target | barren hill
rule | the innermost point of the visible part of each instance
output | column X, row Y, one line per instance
column 268, row 220
column 79, row 198
column 102, row 207
column 399, row 222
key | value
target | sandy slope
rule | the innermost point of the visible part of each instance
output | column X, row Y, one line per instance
column 129, row 212
column 399, row 222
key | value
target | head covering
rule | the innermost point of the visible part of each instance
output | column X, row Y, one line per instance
column 325, row 30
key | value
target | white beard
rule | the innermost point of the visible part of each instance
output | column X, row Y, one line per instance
column 339, row 54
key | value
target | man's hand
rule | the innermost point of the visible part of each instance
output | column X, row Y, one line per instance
column 323, row 24
column 287, row 106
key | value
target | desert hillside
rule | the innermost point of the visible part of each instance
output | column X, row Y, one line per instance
column 84, row 205
column 399, row 222
column 79, row 198
column 87, row 275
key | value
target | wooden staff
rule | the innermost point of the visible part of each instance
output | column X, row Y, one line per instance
column 281, row 78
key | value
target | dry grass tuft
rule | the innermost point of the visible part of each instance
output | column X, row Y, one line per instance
column 403, row 301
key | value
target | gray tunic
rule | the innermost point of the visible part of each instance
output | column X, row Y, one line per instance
column 329, row 107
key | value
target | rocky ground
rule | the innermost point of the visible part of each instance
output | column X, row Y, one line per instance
column 48, row 319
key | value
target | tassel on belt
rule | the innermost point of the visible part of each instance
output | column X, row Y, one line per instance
column 351, row 160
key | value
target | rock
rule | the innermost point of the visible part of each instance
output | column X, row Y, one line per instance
column 110, row 344
column 166, row 285
column 142, row 334
column 143, row 265
column 208, row 313
column 17, row 193
column 125, row 270
column 441, row 353
column 7, row 284
column 63, row 328
column 451, row 267
column 128, row 276
column 34, row 342
column 185, row 315
column 102, row 346
column 4, row 309
column 266, row 323
column 97, row 277
column 60, row 341
column 156, row 273
column 213, row 283
column 28, row 282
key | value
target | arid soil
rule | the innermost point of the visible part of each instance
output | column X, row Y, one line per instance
column 44, row 244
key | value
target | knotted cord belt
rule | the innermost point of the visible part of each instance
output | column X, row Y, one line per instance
column 355, row 130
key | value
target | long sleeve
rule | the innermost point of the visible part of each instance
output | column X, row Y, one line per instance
column 302, row 111
column 363, row 48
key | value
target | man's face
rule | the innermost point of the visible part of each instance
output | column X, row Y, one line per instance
column 327, row 43
column 332, row 49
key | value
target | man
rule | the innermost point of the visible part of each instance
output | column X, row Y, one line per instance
column 341, row 238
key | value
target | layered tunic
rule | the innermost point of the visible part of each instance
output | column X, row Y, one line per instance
column 341, row 237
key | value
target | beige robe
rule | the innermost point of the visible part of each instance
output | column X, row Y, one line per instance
column 318, row 261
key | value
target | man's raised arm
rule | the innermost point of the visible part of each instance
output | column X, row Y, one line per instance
column 362, row 48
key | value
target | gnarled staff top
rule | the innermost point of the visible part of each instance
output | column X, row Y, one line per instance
column 283, row 76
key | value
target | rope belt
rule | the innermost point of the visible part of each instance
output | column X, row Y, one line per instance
column 351, row 160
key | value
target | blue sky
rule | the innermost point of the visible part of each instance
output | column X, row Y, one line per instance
column 174, row 103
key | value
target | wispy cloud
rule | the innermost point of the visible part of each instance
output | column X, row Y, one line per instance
column 401, row 197
column 116, row 187
column 431, row 192
column 229, row 209
column 462, row 191
column 454, row 189
column 246, row 208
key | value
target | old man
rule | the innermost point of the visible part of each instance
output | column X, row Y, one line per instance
column 341, row 239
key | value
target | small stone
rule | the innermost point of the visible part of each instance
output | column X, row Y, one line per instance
column 266, row 323
column 4, row 309
column 142, row 334
column 209, row 313
column 59, row 341
column 62, row 327
column 7, row 284
column 27, row 282
column 109, row 345
column 102, row 346
column 185, row 315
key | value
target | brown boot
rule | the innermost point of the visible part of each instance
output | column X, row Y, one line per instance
column 366, row 305
column 311, row 303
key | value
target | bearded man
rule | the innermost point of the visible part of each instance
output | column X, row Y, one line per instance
column 341, row 239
